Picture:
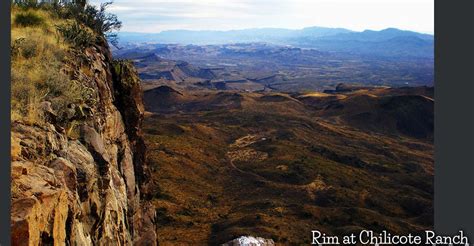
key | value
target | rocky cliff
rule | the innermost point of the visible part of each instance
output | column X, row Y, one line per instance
column 76, row 178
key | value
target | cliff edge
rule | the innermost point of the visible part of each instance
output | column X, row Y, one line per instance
column 76, row 173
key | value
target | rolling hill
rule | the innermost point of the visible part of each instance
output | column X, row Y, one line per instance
column 226, row 164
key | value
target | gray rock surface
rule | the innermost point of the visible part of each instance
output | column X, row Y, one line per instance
column 250, row 241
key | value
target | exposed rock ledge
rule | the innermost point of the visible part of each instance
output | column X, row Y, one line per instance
column 85, row 190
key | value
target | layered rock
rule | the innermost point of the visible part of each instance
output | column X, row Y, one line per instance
column 78, row 182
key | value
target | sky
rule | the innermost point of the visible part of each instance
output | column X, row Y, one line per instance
column 153, row 16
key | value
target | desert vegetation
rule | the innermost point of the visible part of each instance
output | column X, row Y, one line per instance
column 277, row 165
column 46, row 40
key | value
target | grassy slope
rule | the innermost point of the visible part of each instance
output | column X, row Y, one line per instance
column 41, row 63
column 40, row 52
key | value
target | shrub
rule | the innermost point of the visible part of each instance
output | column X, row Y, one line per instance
column 28, row 19
column 96, row 18
column 26, row 3
column 15, row 46
column 28, row 48
column 76, row 34
column 99, row 20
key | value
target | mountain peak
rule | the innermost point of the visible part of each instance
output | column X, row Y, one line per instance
column 391, row 29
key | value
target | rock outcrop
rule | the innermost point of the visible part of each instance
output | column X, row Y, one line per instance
column 78, row 182
column 250, row 241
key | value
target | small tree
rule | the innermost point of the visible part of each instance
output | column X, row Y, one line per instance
column 102, row 22
column 81, row 3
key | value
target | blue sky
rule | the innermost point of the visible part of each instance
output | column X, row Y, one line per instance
column 158, row 15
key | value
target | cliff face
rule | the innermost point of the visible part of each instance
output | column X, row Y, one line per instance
column 78, row 182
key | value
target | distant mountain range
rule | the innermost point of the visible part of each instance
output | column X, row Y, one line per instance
column 271, row 35
column 389, row 42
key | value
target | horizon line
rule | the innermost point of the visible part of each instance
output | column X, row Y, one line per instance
column 294, row 29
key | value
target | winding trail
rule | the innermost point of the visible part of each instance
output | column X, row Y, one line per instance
column 244, row 142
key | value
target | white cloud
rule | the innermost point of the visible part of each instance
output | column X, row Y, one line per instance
column 158, row 15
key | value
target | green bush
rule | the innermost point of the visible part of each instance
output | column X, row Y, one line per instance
column 26, row 3
column 28, row 19
column 97, row 19
column 76, row 34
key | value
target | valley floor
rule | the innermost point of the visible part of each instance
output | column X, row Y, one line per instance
column 278, row 166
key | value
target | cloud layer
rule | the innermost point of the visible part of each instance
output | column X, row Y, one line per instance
column 160, row 15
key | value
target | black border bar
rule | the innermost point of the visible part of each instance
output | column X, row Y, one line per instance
column 454, row 117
